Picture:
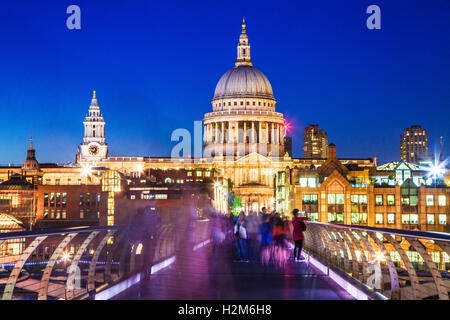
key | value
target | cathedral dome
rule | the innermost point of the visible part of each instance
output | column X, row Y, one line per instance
column 243, row 81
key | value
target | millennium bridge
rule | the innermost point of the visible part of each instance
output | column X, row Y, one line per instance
column 341, row 262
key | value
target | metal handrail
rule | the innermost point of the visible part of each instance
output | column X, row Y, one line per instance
column 53, row 232
column 362, row 255
column 398, row 232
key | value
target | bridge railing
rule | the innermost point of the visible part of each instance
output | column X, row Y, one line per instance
column 76, row 263
column 398, row 264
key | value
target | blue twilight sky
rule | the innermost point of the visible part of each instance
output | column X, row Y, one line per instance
column 155, row 65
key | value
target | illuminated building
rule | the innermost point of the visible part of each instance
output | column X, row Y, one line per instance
column 396, row 195
column 10, row 249
column 18, row 199
column 315, row 142
column 414, row 144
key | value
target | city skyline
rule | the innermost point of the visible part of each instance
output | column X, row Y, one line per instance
column 52, row 99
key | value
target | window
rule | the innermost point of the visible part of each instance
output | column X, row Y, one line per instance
column 310, row 199
column 45, row 214
column 81, row 199
column 443, row 219
column 46, row 200
column 313, row 216
column 335, row 198
column 199, row 173
column 308, row 182
column 207, row 173
column 355, row 218
column 189, row 174
column 52, row 214
column 52, row 199
column 379, row 200
column 81, row 214
column 441, row 200
column 64, row 199
column 379, row 218
column 391, row 218
column 430, row 200
column 430, row 218
column 168, row 180
column 64, row 214
column 405, row 219
column 132, row 197
column 435, row 256
column 391, row 200
column 161, row 196
column 359, row 199
column 58, row 199
column 414, row 219
column 335, row 217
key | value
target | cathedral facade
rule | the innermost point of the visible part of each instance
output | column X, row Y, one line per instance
column 243, row 138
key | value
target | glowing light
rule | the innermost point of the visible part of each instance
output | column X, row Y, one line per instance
column 436, row 170
column 139, row 248
column 65, row 256
column 86, row 170
column 140, row 168
column 379, row 256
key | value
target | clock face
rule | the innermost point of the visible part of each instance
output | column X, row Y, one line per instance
column 93, row 149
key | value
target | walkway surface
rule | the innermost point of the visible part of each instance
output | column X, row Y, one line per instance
column 208, row 274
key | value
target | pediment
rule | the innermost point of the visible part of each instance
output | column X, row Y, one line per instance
column 253, row 157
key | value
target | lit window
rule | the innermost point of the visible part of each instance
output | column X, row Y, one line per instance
column 132, row 197
column 405, row 219
column 313, row 216
column 355, row 218
column 430, row 218
column 414, row 219
column 435, row 256
column 379, row 200
column 199, row 173
column 379, row 218
column 303, row 182
column 391, row 200
column 430, row 200
column 441, row 200
column 207, row 174
column 391, row 218
column 168, row 180
column 443, row 219
column 189, row 174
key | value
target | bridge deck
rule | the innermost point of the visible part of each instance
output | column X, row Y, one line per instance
column 205, row 275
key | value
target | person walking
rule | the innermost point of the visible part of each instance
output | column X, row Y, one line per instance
column 252, row 227
column 240, row 232
column 298, row 224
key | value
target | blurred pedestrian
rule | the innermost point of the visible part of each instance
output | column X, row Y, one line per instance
column 298, row 224
column 240, row 233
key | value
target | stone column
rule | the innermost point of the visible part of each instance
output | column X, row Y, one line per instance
column 259, row 132
column 245, row 132
column 222, row 135
column 253, row 132
column 267, row 133
column 216, row 128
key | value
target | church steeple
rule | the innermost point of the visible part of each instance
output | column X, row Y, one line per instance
column 31, row 164
column 31, row 152
column 94, row 148
column 243, row 48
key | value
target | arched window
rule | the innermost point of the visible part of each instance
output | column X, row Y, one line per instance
column 168, row 180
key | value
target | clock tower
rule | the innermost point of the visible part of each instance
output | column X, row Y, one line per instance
column 93, row 148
